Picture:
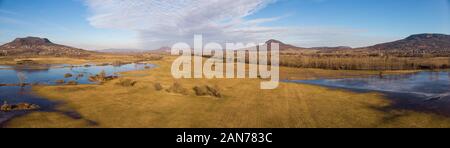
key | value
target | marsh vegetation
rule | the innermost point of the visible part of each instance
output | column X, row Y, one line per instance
column 354, row 62
column 5, row 107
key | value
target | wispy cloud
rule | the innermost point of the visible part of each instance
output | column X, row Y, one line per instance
column 166, row 21
column 8, row 20
column 10, row 17
column 3, row 11
column 15, row 18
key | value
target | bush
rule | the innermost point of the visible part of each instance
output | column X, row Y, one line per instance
column 101, row 77
column 207, row 91
column 68, row 75
column 5, row 107
column 126, row 83
column 158, row 86
column 201, row 90
column 177, row 88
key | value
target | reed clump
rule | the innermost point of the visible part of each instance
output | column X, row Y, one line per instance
column 158, row 86
column 177, row 88
column 207, row 90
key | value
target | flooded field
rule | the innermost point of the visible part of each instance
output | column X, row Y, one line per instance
column 426, row 91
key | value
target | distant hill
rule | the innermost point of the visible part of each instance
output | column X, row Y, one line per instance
column 291, row 49
column 122, row 51
column 34, row 46
column 415, row 45
column 332, row 48
column 283, row 46
column 162, row 50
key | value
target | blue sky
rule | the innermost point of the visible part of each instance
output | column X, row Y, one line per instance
column 149, row 24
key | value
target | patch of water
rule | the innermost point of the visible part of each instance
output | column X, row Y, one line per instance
column 424, row 91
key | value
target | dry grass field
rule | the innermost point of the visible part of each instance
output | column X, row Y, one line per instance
column 153, row 101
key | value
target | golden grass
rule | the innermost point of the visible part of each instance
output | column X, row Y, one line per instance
column 355, row 62
column 51, row 120
column 243, row 105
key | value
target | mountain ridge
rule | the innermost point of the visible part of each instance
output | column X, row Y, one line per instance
column 413, row 45
column 35, row 46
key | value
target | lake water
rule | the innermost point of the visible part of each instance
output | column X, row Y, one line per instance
column 423, row 91
column 47, row 75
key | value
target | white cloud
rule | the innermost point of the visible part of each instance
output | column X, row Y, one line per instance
column 8, row 20
column 167, row 21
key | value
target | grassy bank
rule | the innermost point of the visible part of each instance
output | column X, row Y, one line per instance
column 243, row 104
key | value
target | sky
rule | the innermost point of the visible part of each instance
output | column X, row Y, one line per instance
column 150, row 24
